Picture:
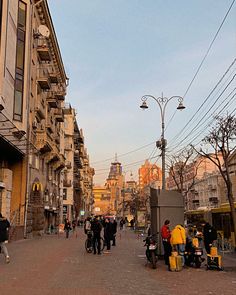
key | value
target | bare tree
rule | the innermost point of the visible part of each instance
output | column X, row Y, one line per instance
column 222, row 139
column 179, row 167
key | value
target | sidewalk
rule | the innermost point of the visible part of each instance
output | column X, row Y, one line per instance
column 229, row 261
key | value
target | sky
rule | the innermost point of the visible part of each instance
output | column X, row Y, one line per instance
column 116, row 51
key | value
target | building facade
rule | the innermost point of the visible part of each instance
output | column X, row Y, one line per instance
column 149, row 174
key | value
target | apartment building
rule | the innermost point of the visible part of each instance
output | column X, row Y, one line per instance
column 68, row 171
column 14, row 81
column 200, row 178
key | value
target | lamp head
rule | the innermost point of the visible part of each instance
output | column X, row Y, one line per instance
column 180, row 106
column 144, row 105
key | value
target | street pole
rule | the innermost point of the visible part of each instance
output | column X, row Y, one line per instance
column 162, row 103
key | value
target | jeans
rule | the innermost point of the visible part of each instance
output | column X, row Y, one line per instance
column 180, row 248
column 4, row 249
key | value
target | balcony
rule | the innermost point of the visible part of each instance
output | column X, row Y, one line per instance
column 59, row 116
column 43, row 78
column 50, row 124
column 43, row 50
column 60, row 164
column 67, row 183
column 78, row 162
column 40, row 108
column 42, row 142
column 52, row 101
column 53, row 75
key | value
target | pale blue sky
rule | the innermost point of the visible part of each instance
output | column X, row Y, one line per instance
column 115, row 51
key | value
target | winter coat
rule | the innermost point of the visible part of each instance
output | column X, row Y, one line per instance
column 108, row 231
column 96, row 227
column 165, row 233
column 178, row 235
column 4, row 226
column 114, row 227
column 209, row 233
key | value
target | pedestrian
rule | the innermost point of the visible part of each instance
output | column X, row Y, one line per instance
column 87, row 225
column 178, row 240
column 108, row 233
column 96, row 228
column 209, row 236
column 132, row 223
column 121, row 223
column 67, row 227
column 166, row 234
column 4, row 230
column 114, row 230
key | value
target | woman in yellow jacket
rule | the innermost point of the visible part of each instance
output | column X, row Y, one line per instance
column 178, row 240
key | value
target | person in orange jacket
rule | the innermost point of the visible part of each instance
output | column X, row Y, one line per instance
column 178, row 240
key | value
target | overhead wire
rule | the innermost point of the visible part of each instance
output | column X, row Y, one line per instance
column 204, row 58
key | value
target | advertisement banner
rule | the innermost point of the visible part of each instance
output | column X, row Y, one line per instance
column 141, row 218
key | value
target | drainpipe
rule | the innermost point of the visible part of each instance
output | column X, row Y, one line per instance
column 28, row 121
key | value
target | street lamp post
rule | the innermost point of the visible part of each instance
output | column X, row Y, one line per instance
column 162, row 103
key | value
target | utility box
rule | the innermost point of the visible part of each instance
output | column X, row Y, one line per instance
column 165, row 205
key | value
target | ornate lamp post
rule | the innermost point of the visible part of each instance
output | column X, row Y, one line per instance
column 162, row 103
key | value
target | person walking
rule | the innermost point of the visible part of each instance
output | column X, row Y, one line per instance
column 166, row 234
column 96, row 228
column 67, row 227
column 178, row 240
column 121, row 223
column 209, row 236
column 114, row 230
column 4, row 230
column 108, row 233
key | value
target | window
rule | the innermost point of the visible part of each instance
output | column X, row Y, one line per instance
column 64, row 194
column 20, row 59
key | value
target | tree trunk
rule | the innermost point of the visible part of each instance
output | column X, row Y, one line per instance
column 233, row 211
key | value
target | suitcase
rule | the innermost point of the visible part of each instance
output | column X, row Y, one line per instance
column 214, row 251
column 179, row 262
column 175, row 263
column 214, row 262
column 172, row 263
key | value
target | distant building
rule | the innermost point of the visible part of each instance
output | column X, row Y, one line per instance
column 102, row 201
column 149, row 174
column 114, row 184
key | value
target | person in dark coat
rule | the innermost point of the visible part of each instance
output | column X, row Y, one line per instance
column 209, row 235
column 114, row 230
column 96, row 228
column 108, row 234
column 4, row 229
column 67, row 227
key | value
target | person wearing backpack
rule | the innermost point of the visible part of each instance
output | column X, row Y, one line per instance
column 209, row 235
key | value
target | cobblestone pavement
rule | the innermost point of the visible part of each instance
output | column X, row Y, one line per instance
column 55, row 265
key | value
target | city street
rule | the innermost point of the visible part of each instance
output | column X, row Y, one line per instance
column 55, row 265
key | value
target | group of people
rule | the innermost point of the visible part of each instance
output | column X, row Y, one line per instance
column 176, row 239
column 96, row 225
